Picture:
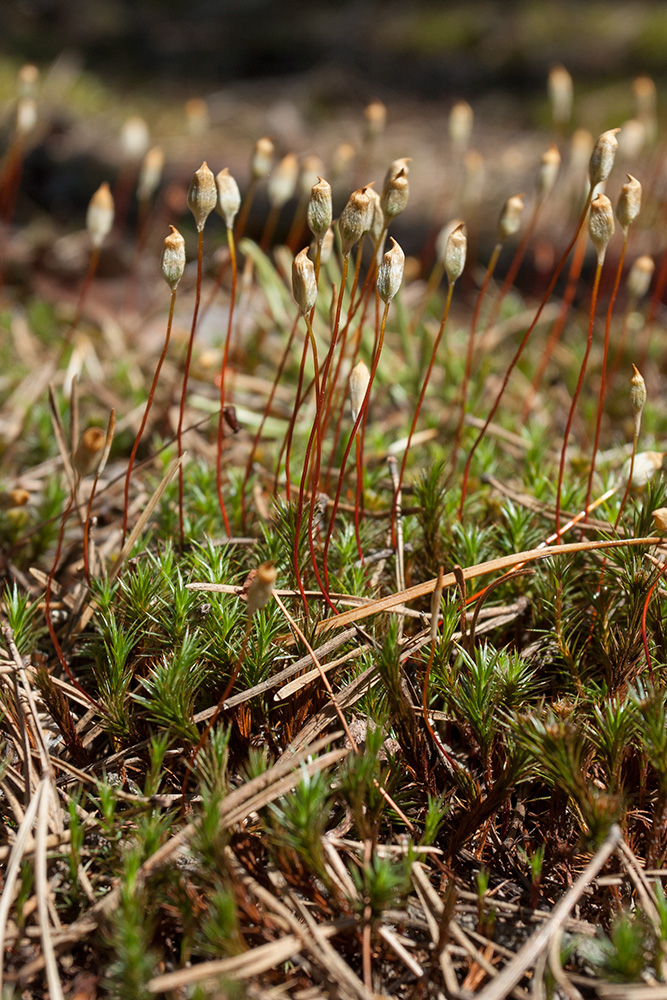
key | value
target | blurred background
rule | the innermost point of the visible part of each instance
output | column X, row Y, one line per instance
column 209, row 77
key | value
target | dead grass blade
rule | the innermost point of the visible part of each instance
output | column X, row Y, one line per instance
column 43, row 893
column 472, row 572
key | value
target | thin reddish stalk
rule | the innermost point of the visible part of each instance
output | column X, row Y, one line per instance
column 557, row 328
column 267, row 410
column 644, row 615
column 575, row 397
column 223, row 372
column 519, row 351
column 184, row 390
column 420, row 401
column 510, row 277
column 469, row 353
column 306, row 464
column 144, row 420
column 348, row 448
column 603, row 373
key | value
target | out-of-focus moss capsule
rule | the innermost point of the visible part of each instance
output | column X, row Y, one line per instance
column 602, row 157
column 455, row 253
column 561, row 93
column 100, row 215
column 639, row 277
column 202, row 195
column 548, row 171
column 375, row 119
column 460, row 124
column 25, row 118
column 320, row 208
column 150, row 174
column 310, row 170
column 601, row 224
column 262, row 158
column 13, row 498
column 659, row 516
column 390, row 272
column 581, row 150
column 282, row 182
column 304, row 285
column 173, row 258
column 342, row 159
column 359, row 379
column 88, row 454
column 134, row 137
column 260, row 590
column 229, row 197
column 27, row 80
column 196, row 115
column 644, row 93
column 355, row 219
column 631, row 139
column 510, row 217
column 629, row 202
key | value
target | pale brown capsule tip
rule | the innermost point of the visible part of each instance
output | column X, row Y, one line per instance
column 390, row 272
column 26, row 115
column 637, row 391
column 660, row 518
column 229, row 197
column 359, row 379
column 629, row 202
column 150, row 174
column 548, row 171
column 560, row 94
column 639, row 276
column 355, row 219
column 202, row 195
column 460, row 125
column 601, row 224
column 173, row 258
column 262, row 158
column 13, row 498
column 28, row 78
column 510, row 217
column 89, row 451
column 455, row 253
column 134, row 137
column 602, row 157
column 375, row 115
column 320, row 208
column 100, row 215
column 261, row 588
column 282, row 182
column 304, row 285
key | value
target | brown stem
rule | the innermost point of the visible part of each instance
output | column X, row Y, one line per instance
column 575, row 397
column 184, row 390
column 603, row 373
column 519, row 351
column 223, row 372
column 147, row 410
